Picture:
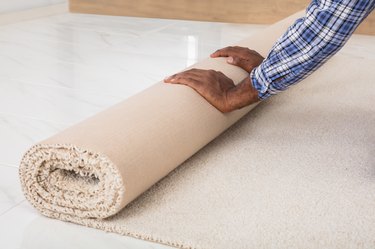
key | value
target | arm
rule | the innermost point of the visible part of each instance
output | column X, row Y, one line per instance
column 308, row 43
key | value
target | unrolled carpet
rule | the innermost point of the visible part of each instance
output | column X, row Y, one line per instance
column 297, row 172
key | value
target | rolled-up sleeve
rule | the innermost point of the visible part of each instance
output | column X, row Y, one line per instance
column 308, row 43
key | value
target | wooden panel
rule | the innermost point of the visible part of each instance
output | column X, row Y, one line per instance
column 236, row 11
column 367, row 27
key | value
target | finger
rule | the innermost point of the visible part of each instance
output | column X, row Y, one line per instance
column 228, row 51
column 183, row 76
column 169, row 79
column 190, row 82
column 199, row 74
column 224, row 52
column 235, row 61
column 191, row 73
column 196, row 71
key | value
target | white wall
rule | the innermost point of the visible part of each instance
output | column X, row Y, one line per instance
column 7, row 6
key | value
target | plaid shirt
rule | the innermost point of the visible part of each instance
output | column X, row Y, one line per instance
column 308, row 43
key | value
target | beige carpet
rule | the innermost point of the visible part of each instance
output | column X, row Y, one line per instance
column 296, row 172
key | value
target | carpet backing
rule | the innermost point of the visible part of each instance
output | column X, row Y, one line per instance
column 298, row 171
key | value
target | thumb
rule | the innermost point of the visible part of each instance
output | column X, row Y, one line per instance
column 230, row 60
column 236, row 61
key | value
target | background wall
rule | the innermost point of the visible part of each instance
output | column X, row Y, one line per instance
column 7, row 6
column 239, row 11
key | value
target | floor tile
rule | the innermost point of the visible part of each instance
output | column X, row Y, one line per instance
column 19, row 133
column 60, row 105
column 23, row 228
column 10, row 189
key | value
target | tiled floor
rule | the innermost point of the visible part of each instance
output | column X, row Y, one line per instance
column 58, row 70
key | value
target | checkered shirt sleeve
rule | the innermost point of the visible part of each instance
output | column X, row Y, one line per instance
column 308, row 43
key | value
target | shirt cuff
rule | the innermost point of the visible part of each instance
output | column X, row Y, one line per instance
column 260, row 82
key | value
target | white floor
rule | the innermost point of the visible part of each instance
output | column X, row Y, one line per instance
column 58, row 70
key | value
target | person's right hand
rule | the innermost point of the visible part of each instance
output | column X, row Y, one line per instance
column 242, row 57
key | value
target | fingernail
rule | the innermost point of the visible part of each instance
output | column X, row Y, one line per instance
column 230, row 59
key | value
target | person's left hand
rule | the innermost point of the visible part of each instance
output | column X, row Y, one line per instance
column 217, row 89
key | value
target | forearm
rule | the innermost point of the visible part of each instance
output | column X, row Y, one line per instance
column 308, row 43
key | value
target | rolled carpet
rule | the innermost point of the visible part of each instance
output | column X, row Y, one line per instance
column 302, row 181
column 95, row 168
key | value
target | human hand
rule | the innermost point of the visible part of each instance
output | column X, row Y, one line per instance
column 217, row 89
column 242, row 57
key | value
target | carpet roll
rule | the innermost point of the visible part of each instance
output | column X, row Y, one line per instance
column 70, row 180
column 93, row 169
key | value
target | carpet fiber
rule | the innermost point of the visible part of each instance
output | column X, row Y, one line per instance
column 296, row 172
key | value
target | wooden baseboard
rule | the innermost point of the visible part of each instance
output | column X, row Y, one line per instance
column 235, row 11
column 238, row 11
column 367, row 27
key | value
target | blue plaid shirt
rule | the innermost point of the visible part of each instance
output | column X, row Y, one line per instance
column 308, row 43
